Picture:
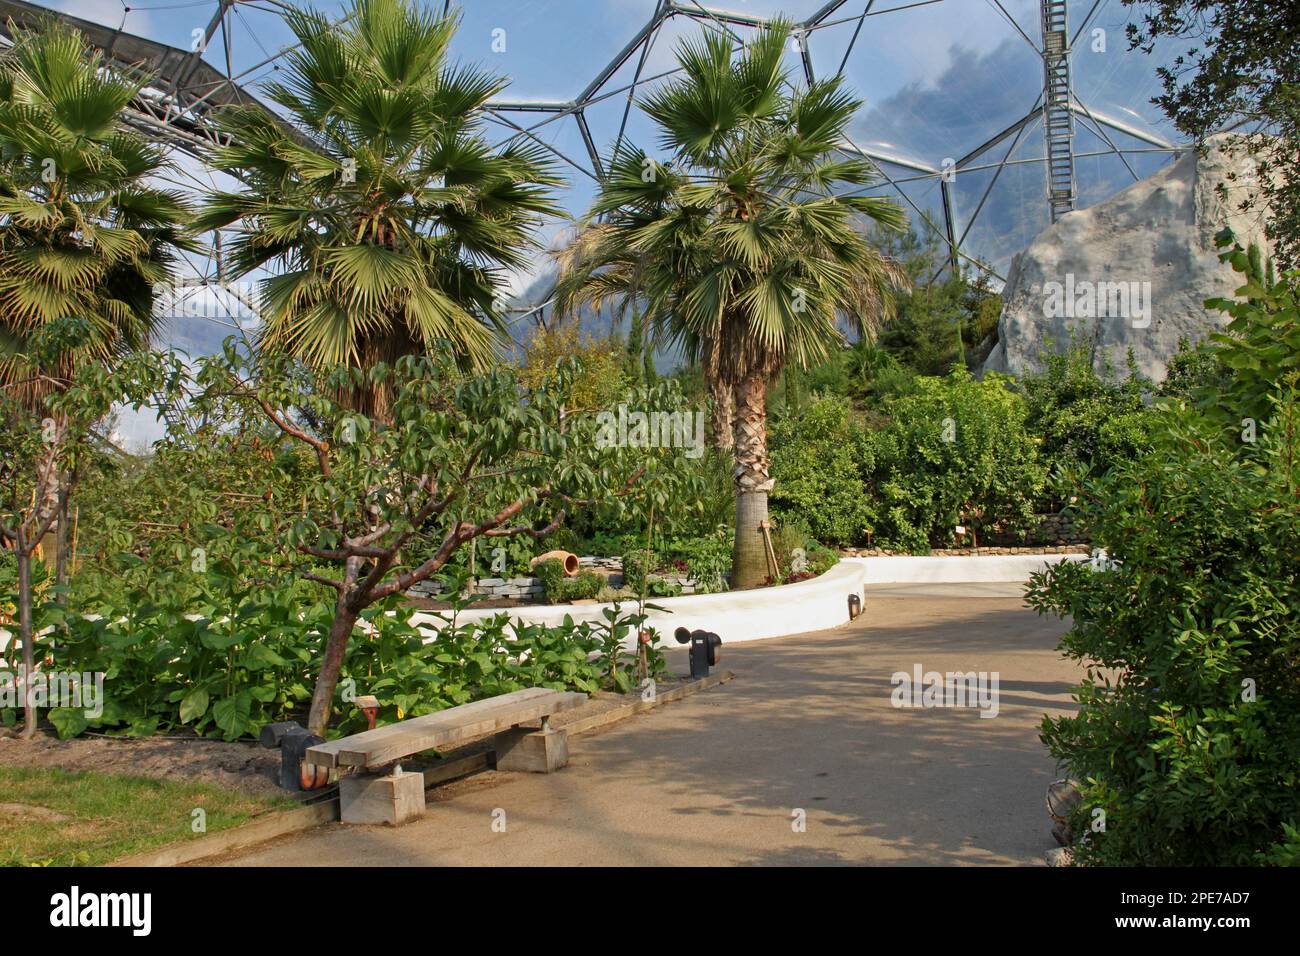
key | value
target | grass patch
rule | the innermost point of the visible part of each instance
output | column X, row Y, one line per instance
column 51, row 817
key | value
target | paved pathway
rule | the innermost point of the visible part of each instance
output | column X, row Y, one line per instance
column 807, row 724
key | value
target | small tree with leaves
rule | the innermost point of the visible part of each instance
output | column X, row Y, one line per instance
column 466, row 456
column 46, row 450
column 1241, row 68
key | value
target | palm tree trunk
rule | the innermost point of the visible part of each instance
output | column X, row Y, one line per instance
column 724, row 415
column 749, row 556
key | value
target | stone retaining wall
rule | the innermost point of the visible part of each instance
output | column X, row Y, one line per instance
column 533, row 589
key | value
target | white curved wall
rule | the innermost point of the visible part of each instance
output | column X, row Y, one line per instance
column 790, row 608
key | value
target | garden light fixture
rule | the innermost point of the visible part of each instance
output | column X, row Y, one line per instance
column 706, row 649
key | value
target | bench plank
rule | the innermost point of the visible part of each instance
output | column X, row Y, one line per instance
column 444, row 728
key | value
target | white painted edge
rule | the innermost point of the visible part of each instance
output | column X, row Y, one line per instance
column 957, row 569
column 815, row 605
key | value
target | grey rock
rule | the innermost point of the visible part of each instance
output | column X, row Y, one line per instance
column 1152, row 243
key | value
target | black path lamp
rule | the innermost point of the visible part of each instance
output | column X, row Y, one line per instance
column 706, row 649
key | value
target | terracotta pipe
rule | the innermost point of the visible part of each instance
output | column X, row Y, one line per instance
column 568, row 559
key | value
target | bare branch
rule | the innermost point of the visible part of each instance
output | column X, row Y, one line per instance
column 329, row 582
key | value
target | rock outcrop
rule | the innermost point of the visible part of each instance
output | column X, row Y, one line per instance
column 1132, row 272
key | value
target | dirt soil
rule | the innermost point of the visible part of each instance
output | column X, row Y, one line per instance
column 241, row 766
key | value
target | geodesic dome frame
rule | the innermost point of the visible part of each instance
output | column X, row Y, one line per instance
column 950, row 166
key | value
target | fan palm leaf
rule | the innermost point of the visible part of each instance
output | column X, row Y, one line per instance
column 388, row 223
column 86, row 234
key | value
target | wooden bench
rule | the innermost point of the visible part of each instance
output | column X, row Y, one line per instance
column 365, row 797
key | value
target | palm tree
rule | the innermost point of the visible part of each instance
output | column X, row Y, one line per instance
column 383, row 215
column 744, row 250
column 85, row 234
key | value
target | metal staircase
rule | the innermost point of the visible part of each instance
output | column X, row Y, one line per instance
column 1058, row 118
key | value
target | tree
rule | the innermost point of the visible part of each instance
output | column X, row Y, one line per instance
column 86, row 234
column 385, row 215
column 1245, row 68
column 604, row 379
column 954, row 452
column 947, row 317
column 46, row 450
column 1184, row 743
column 746, row 248
column 462, row 456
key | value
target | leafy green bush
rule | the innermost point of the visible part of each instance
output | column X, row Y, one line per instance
column 583, row 587
column 816, row 459
column 561, row 590
column 786, row 539
column 551, row 571
column 707, row 560
column 875, row 376
column 607, row 545
column 955, row 452
column 799, row 556
column 635, row 571
column 821, row 558
column 1260, row 347
column 1187, row 741
column 1085, row 422
column 663, row 587
column 222, row 654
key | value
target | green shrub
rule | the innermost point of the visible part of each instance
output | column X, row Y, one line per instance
column 585, row 586
column 1260, row 347
column 706, row 559
column 708, row 562
column 663, row 587
column 1187, row 739
column 816, row 467
column 875, row 376
column 786, row 539
column 634, row 571
column 1084, row 421
column 608, row 545
column 222, row 655
column 821, row 558
column 955, row 452
column 551, row 571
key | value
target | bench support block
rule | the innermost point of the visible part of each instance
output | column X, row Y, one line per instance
column 532, row 751
column 392, row 800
